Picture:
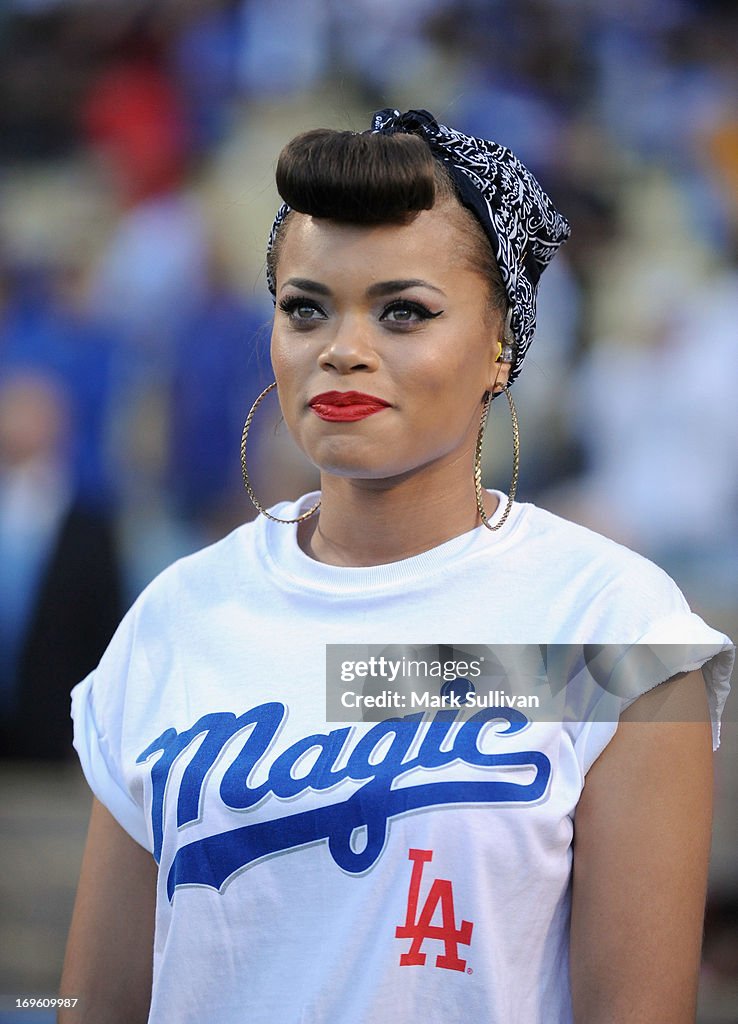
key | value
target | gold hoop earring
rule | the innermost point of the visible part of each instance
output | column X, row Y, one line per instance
column 478, row 460
column 247, row 483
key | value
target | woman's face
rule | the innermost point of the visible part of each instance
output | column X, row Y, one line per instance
column 383, row 344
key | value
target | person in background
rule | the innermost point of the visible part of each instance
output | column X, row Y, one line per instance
column 60, row 588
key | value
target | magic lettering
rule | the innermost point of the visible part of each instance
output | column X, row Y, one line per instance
column 376, row 760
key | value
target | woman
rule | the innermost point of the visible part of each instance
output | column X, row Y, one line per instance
column 305, row 870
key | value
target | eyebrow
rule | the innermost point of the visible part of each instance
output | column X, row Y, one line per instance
column 385, row 287
column 304, row 284
column 374, row 291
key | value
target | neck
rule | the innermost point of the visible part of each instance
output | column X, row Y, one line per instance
column 373, row 522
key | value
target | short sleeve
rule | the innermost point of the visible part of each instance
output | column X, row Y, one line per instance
column 681, row 642
column 104, row 709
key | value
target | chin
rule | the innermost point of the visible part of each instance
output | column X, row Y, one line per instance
column 357, row 470
column 347, row 460
column 342, row 455
column 360, row 459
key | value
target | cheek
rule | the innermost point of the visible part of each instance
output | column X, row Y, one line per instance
column 286, row 363
column 277, row 352
column 284, row 374
column 291, row 370
column 454, row 378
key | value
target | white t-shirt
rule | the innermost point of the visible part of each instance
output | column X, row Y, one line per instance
column 311, row 871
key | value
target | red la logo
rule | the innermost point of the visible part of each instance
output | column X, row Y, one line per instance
column 419, row 928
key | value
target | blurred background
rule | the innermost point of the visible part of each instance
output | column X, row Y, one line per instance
column 138, row 143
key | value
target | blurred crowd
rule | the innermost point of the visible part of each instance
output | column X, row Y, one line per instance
column 137, row 148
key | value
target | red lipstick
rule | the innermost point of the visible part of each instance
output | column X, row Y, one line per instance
column 346, row 406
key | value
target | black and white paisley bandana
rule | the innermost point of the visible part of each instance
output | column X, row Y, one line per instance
column 521, row 222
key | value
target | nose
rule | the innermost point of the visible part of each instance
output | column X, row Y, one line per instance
column 349, row 349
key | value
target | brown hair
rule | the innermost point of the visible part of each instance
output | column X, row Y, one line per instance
column 375, row 178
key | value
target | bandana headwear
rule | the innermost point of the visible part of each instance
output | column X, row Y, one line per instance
column 521, row 222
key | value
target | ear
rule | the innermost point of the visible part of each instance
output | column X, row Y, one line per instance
column 500, row 370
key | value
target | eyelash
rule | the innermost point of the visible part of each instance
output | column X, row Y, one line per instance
column 421, row 311
column 293, row 303
column 290, row 305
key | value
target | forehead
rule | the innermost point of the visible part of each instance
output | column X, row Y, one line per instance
column 432, row 247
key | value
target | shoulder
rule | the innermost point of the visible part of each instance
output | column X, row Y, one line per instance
column 206, row 577
column 581, row 551
column 611, row 599
column 195, row 597
column 542, row 524
column 592, row 588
